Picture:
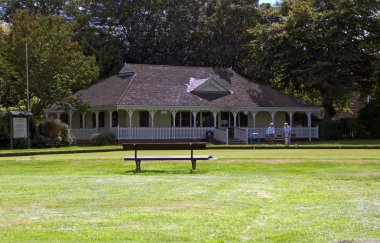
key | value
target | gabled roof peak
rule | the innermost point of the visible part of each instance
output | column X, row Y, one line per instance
column 207, row 88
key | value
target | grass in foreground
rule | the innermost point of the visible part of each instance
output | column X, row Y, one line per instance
column 324, row 143
column 244, row 195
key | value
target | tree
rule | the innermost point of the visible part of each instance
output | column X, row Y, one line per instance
column 181, row 32
column 10, row 80
column 98, row 41
column 57, row 67
column 319, row 50
column 9, row 8
column 175, row 32
column 224, row 29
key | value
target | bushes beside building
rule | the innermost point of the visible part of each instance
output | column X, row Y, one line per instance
column 54, row 132
column 365, row 126
column 4, row 129
column 103, row 139
column 43, row 134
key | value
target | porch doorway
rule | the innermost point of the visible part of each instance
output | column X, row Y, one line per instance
column 144, row 119
column 207, row 119
column 226, row 119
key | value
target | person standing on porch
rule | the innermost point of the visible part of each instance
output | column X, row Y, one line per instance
column 271, row 133
column 287, row 133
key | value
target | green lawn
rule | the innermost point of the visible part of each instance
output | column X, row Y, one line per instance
column 324, row 143
column 243, row 195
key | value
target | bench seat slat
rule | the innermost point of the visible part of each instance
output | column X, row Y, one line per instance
column 185, row 157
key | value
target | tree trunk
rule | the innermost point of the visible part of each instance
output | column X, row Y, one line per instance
column 329, row 110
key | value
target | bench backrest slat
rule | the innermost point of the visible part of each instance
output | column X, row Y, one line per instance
column 163, row 146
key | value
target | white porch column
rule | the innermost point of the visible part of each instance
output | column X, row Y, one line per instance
column 174, row 113
column 254, row 119
column 70, row 119
column 110, row 118
column 152, row 117
column 201, row 119
column 97, row 120
column 46, row 116
column 234, row 114
column 290, row 118
column 215, row 113
column 83, row 120
column 194, row 117
column 59, row 115
column 273, row 113
column 130, row 113
column 309, row 124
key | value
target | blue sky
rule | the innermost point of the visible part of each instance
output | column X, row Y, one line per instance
column 267, row 1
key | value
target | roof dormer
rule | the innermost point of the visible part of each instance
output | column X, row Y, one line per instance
column 208, row 88
column 126, row 71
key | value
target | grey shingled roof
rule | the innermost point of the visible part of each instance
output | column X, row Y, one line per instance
column 156, row 85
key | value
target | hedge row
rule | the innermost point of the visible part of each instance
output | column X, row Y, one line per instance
column 367, row 125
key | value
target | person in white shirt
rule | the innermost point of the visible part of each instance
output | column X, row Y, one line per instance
column 287, row 133
column 271, row 133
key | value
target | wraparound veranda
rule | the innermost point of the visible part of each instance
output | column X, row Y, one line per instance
column 186, row 124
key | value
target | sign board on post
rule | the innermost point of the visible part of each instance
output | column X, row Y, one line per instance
column 20, row 127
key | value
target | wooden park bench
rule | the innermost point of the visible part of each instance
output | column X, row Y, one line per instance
column 277, row 138
column 280, row 138
column 165, row 146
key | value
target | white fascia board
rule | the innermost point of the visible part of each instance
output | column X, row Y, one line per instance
column 213, row 108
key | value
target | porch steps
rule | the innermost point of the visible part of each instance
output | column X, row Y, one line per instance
column 235, row 141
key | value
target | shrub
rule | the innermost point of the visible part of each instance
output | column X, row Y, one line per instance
column 4, row 129
column 351, row 127
column 369, row 117
column 54, row 131
column 365, row 126
column 330, row 130
column 20, row 143
column 103, row 139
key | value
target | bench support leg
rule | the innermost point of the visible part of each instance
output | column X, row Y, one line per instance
column 138, row 162
column 194, row 164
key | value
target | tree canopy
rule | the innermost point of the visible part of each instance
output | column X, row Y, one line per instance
column 57, row 66
column 317, row 50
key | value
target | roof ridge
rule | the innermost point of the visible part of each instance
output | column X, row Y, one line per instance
column 126, row 89
column 181, row 66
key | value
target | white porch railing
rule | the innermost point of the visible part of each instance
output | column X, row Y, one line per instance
column 83, row 134
column 242, row 133
column 300, row 132
column 221, row 135
column 163, row 132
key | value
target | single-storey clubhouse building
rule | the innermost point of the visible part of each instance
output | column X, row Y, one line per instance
column 182, row 103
